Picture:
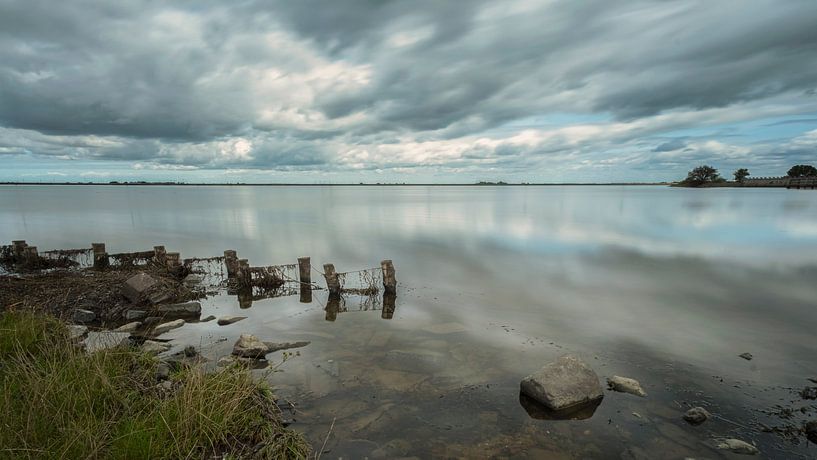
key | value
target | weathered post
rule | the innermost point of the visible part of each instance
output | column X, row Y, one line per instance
column 304, row 273
column 332, row 281
column 174, row 263
column 389, row 279
column 100, row 256
column 32, row 257
column 388, row 306
column 160, row 255
column 243, row 273
column 305, row 278
column 18, row 248
column 231, row 263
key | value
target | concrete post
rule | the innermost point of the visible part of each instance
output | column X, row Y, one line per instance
column 332, row 281
column 389, row 279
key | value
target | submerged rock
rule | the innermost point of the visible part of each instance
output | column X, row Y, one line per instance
column 83, row 316
column 565, row 383
column 209, row 318
column 696, row 415
column 252, row 363
column 130, row 327
column 180, row 309
column 737, row 446
column 154, row 347
column 274, row 346
column 746, row 356
column 229, row 319
column 250, row 346
column 625, row 385
column 164, row 327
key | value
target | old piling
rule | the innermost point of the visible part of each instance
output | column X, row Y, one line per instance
column 18, row 249
column 100, row 256
column 304, row 270
column 231, row 263
column 389, row 279
column 332, row 281
column 244, row 274
column 160, row 255
column 31, row 256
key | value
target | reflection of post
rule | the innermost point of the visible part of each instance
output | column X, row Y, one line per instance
column 305, row 278
column 245, row 298
column 388, row 305
column 332, row 281
column 231, row 262
column 160, row 255
column 100, row 256
column 332, row 307
column 389, row 279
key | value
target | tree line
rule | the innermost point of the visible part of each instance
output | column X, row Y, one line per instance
column 706, row 174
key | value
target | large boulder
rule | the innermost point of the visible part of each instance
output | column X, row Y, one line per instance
column 250, row 346
column 566, row 383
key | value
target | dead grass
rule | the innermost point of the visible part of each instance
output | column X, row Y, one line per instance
column 59, row 402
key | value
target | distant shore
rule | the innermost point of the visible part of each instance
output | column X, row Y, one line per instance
column 255, row 184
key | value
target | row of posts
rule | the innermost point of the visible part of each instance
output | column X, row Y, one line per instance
column 239, row 269
column 172, row 260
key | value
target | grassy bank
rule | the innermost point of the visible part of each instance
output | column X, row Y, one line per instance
column 57, row 401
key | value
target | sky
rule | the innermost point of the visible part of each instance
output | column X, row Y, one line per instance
column 422, row 91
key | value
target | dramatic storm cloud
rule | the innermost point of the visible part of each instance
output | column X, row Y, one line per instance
column 358, row 90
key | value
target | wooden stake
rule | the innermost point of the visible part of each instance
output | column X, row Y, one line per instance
column 389, row 279
column 332, row 281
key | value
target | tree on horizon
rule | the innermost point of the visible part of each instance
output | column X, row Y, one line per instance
column 702, row 175
column 802, row 171
column 741, row 174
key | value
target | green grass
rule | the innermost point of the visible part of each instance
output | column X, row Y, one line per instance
column 57, row 401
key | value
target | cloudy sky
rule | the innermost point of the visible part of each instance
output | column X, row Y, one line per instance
column 404, row 91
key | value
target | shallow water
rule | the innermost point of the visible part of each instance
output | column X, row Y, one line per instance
column 663, row 285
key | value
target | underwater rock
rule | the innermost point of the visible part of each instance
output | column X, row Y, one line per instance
column 225, row 320
column 737, row 446
column 696, row 415
column 746, row 356
column 164, row 327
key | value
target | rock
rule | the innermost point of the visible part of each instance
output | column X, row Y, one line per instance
column 162, row 371
column 83, row 316
column 137, row 287
column 737, row 446
column 150, row 320
column 192, row 279
column 809, row 393
column 273, row 346
column 180, row 309
column 249, row 346
column 164, row 327
column 104, row 340
column 251, row 363
column 130, row 327
column 565, row 383
column 422, row 361
column 811, row 431
column 76, row 332
column 225, row 320
column 625, row 385
column 746, row 356
column 696, row 415
column 132, row 315
column 209, row 318
column 153, row 347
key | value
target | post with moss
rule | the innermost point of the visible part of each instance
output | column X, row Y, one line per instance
column 332, row 281
column 389, row 278
column 100, row 256
column 231, row 263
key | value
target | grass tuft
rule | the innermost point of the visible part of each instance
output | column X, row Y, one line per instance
column 59, row 402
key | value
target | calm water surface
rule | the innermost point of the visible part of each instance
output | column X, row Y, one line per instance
column 663, row 285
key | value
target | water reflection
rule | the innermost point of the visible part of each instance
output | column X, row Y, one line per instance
column 539, row 412
column 336, row 304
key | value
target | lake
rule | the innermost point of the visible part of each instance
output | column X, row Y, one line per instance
column 664, row 285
